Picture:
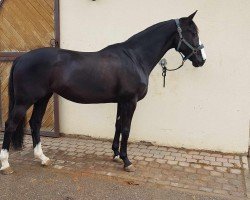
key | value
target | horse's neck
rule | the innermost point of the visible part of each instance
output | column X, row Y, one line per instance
column 150, row 47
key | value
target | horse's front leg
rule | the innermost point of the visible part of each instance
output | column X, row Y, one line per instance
column 116, row 141
column 127, row 111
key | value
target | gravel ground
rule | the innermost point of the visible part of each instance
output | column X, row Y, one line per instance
column 34, row 182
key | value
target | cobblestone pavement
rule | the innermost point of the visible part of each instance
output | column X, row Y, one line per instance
column 210, row 172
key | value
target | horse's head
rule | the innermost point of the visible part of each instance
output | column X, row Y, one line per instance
column 187, row 41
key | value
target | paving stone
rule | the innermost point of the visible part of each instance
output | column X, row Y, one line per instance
column 142, row 162
column 169, row 157
column 215, row 163
column 245, row 166
column 92, row 148
column 221, row 169
column 149, row 159
column 198, row 157
column 209, row 168
column 184, row 164
column 99, row 149
column 209, row 158
column 137, row 153
column 228, row 156
column 194, row 152
column 204, row 162
column 182, row 151
column 152, row 147
column 99, row 153
column 230, row 176
column 176, row 154
column 172, row 162
column 154, row 151
column 235, row 171
column 244, row 159
column 180, row 159
column 71, row 153
column 165, row 153
column 162, row 148
column 161, row 161
column 229, row 187
column 236, row 157
column 190, row 170
column 58, row 167
column 225, row 160
column 217, row 155
column 158, row 156
column 204, row 154
column 148, row 155
column 215, row 173
column 191, row 160
column 144, row 150
column 108, row 154
column 138, row 158
column 194, row 170
column 228, row 165
column 184, row 155
column 173, row 150
column 197, row 166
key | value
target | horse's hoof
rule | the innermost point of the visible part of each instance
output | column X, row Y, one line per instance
column 7, row 171
column 47, row 163
column 130, row 168
column 117, row 159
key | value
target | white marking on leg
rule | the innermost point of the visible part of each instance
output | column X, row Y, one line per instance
column 4, row 156
column 38, row 152
column 203, row 53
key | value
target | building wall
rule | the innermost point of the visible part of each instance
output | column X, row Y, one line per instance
column 204, row 108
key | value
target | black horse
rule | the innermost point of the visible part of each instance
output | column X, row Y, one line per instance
column 116, row 74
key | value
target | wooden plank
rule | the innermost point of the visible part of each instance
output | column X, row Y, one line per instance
column 24, row 27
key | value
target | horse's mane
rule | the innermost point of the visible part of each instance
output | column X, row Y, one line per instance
column 147, row 30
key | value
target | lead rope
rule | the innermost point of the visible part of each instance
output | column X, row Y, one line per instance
column 163, row 64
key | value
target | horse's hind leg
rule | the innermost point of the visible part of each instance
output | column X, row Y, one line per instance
column 35, row 125
column 116, row 141
column 16, row 117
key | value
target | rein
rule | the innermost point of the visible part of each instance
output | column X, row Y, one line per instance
column 195, row 50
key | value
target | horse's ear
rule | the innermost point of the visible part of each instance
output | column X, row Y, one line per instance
column 190, row 17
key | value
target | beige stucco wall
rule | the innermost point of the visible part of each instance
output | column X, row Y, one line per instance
column 205, row 108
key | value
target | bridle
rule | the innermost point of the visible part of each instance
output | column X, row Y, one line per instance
column 184, row 58
column 183, row 40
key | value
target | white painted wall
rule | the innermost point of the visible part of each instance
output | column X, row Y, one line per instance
column 205, row 108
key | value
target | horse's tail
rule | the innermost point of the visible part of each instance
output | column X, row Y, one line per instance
column 18, row 135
